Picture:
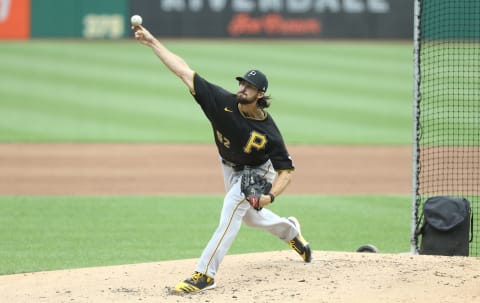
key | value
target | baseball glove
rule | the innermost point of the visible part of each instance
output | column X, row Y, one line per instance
column 253, row 186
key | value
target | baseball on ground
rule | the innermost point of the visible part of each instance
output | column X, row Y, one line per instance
column 136, row 20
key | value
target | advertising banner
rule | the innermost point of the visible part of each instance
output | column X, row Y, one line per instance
column 278, row 18
column 90, row 19
column 14, row 19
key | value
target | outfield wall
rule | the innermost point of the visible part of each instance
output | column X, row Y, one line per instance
column 107, row 19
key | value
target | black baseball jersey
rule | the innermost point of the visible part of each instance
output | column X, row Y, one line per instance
column 239, row 139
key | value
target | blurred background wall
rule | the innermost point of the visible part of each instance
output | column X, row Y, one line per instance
column 108, row 19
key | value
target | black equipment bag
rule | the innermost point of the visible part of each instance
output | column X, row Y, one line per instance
column 446, row 225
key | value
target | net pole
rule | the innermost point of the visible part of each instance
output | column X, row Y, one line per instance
column 416, row 109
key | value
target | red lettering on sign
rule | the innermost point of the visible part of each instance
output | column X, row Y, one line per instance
column 273, row 24
column 242, row 24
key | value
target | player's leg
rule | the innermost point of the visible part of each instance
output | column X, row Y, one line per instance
column 286, row 229
column 233, row 210
column 266, row 219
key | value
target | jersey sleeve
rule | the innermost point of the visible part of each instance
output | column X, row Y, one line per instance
column 209, row 96
column 278, row 153
column 281, row 159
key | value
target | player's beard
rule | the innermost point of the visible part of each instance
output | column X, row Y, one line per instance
column 243, row 99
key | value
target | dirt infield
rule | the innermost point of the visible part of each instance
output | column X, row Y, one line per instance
column 279, row 276
column 105, row 169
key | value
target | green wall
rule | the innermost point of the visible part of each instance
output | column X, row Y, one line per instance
column 79, row 18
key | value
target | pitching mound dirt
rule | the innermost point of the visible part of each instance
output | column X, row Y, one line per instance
column 264, row 277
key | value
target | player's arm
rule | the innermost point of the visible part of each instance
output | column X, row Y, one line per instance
column 175, row 63
column 281, row 182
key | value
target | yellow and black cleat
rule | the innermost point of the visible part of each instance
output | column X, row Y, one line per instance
column 198, row 282
column 299, row 244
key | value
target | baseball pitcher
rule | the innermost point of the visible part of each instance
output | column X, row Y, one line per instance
column 256, row 164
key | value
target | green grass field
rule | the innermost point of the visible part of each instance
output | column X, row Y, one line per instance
column 44, row 233
column 323, row 92
column 77, row 91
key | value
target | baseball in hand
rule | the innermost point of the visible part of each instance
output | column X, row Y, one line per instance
column 136, row 20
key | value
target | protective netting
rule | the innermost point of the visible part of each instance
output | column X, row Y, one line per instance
column 447, row 105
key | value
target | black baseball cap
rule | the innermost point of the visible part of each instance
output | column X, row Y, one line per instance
column 256, row 78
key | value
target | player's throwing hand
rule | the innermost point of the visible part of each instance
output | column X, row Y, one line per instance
column 143, row 35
